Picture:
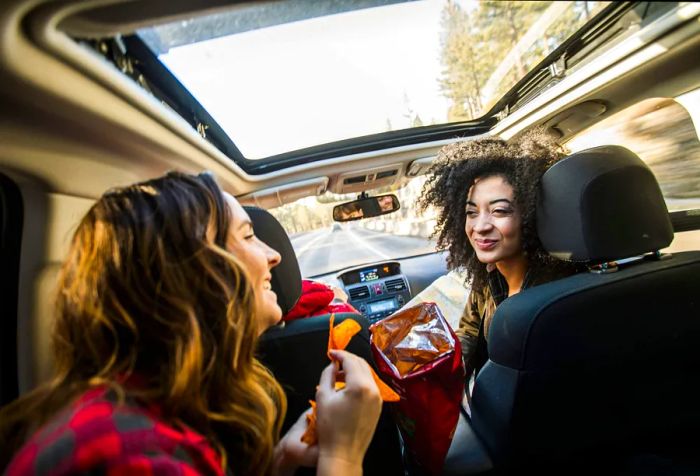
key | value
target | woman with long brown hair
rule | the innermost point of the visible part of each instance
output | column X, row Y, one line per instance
column 160, row 301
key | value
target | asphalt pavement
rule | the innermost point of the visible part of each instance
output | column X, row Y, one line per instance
column 326, row 250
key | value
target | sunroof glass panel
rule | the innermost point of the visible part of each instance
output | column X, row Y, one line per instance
column 278, row 81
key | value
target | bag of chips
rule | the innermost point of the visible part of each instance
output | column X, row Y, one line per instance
column 418, row 353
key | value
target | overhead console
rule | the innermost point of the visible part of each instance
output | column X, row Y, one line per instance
column 359, row 180
column 376, row 290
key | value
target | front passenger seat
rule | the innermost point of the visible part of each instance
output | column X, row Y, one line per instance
column 598, row 371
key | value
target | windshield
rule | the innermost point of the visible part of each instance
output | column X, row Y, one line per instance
column 323, row 246
column 283, row 76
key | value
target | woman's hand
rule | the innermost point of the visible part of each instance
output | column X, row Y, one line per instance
column 346, row 419
column 291, row 452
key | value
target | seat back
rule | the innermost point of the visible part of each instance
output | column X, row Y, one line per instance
column 295, row 352
column 601, row 367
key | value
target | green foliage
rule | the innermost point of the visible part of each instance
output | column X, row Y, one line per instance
column 477, row 39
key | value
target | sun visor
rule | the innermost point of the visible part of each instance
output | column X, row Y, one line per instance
column 277, row 196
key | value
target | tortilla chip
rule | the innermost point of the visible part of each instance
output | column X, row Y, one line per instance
column 338, row 339
column 387, row 393
column 344, row 332
column 339, row 336
column 310, row 437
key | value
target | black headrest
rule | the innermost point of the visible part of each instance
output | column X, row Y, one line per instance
column 602, row 204
column 286, row 277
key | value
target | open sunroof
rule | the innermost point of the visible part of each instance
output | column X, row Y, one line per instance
column 295, row 82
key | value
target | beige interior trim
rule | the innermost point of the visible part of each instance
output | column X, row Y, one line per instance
column 110, row 17
column 287, row 193
column 420, row 166
column 691, row 102
column 677, row 30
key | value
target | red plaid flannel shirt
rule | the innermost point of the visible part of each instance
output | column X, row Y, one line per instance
column 99, row 436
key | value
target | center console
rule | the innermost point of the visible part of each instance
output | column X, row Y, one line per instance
column 376, row 290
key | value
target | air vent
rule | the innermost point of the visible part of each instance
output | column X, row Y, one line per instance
column 361, row 292
column 394, row 285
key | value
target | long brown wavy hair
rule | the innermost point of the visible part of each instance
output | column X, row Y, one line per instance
column 146, row 292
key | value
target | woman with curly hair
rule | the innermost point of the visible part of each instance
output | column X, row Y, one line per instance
column 160, row 302
column 485, row 193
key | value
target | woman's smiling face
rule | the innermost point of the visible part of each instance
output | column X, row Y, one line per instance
column 493, row 224
column 258, row 258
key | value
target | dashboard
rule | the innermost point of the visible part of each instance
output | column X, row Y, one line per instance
column 376, row 290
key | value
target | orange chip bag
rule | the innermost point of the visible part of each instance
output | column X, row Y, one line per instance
column 338, row 339
column 419, row 353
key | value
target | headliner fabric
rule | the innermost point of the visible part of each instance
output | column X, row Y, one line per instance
column 286, row 277
column 602, row 204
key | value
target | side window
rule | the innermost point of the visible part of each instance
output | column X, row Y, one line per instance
column 661, row 132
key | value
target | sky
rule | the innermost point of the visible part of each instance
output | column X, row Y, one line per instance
column 315, row 81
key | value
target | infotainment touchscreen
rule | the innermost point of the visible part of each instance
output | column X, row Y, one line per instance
column 368, row 275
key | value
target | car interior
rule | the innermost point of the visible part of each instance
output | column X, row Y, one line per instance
column 594, row 372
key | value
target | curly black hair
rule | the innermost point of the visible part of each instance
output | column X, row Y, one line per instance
column 521, row 162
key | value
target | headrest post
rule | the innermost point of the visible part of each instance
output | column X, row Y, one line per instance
column 658, row 256
column 604, row 268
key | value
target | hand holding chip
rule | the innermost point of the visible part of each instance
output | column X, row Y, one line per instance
column 346, row 418
column 349, row 397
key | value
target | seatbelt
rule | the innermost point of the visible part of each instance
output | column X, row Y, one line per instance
column 480, row 357
column 481, row 353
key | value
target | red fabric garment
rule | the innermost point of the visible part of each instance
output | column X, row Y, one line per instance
column 315, row 300
column 98, row 435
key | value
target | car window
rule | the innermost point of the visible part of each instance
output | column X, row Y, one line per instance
column 662, row 133
column 319, row 72
column 323, row 246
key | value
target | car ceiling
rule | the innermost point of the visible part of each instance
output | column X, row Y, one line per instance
column 72, row 126
column 65, row 107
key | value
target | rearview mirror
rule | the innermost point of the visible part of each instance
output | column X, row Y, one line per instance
column 366, row 208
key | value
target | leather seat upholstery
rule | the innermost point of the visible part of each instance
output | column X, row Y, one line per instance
column 295, row 352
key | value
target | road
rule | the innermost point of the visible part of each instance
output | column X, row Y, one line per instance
column 328, row 249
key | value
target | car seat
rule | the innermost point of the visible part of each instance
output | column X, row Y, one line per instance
column 295, row 351
column 597, row 372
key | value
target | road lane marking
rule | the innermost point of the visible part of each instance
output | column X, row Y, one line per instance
column 301, row 238
column 311, row 243
column 365, row 244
